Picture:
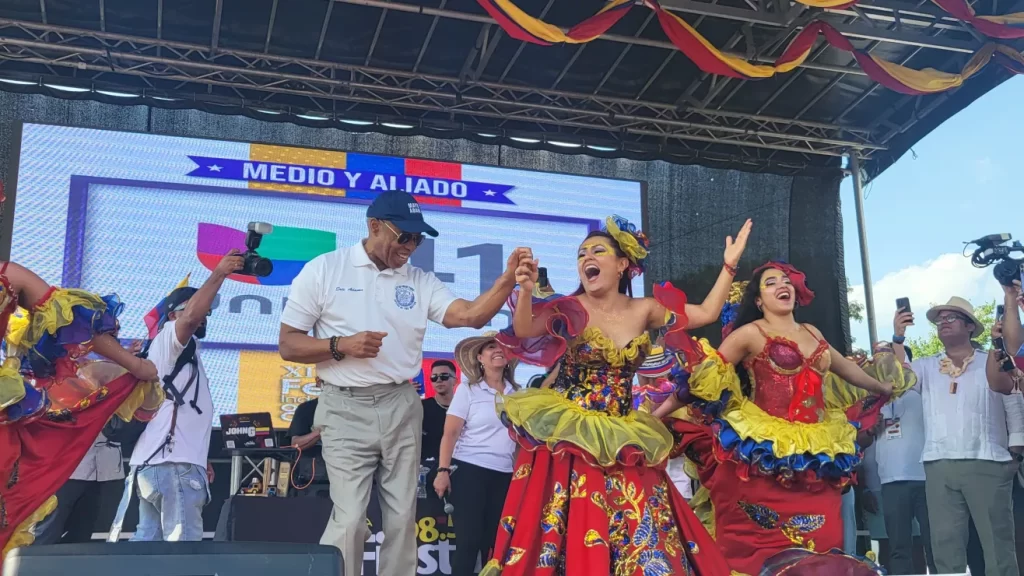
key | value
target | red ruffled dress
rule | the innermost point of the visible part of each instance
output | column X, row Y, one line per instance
column 589, row 492
column 773, row 465
column 53, row 400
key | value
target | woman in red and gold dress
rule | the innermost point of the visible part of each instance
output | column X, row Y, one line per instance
column 54, row 400
column 589, row 492
column 775, row 444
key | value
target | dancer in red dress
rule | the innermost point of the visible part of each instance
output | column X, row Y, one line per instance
column 589, row 491
column 54, row 400
column 775, row 450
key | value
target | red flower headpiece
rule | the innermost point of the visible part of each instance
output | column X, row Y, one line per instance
column 798, row 279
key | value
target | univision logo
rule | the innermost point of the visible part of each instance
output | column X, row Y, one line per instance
column 288, row 248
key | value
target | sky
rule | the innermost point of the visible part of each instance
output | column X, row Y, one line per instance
column 957, row 184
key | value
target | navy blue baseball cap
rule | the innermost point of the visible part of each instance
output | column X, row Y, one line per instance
column 402, row 210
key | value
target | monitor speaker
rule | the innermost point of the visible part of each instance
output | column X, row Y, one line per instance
column 175, row 559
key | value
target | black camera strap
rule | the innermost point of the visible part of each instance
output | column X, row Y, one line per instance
column 186, row 358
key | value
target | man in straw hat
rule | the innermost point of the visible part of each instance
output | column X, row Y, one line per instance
column 368, row 308
column 969, row 429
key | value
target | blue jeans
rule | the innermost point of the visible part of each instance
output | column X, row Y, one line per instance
column 849, row 513
column 171, row 501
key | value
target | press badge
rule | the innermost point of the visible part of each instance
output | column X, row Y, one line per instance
column 892, row 429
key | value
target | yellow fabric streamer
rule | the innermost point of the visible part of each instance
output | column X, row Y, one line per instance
column 544, row 31
column 738, row 64
column 549, row 417
column 931, row 80
column 824, row 3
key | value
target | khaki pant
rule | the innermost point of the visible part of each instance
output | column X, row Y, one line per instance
column 961, row 490
column 372, row 433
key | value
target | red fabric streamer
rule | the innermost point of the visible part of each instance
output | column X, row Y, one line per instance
column 961, row 10
column 592, row 27
column 693, row 48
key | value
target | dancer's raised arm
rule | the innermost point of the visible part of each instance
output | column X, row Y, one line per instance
column 708, row 311
column 524, row 323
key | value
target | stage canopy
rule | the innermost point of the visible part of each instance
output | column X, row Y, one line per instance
column 794, row 86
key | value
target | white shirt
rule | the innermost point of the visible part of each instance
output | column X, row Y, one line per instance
column 191, row 443
column 898, row 459
column 485, row 440
column 676, row 469
column 974, row 423
column 101, row 464
column 342, row 293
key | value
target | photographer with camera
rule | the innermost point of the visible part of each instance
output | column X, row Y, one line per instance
column 1006, row 359
column 169, row 463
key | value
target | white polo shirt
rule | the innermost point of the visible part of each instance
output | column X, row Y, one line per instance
column 485, row 441
column 342, row 293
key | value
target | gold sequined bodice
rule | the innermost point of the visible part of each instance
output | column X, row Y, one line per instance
column 597, row 375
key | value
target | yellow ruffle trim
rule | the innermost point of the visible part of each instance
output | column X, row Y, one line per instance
column 54, row 314
column 832, row 436
column 613, row 354
column 12, row 387
column 549, row 417
column 22, row 535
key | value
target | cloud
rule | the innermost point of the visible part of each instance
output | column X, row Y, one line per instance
column 985, row 170
column 927, row 284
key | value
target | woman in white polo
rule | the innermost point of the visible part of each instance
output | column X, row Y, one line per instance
column 477, row 445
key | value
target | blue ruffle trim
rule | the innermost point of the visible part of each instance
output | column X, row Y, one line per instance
column 760, row 456
column 40, row 360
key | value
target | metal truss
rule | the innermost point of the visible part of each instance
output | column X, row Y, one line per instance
column 417, row 96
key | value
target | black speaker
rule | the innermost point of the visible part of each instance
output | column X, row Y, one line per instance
column 175, row 559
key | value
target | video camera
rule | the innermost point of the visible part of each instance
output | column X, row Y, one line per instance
column 992, row 249
column 252, row 263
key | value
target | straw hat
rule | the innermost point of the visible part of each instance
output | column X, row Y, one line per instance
column 657, row 363
column 466, row 352
column 960, row 306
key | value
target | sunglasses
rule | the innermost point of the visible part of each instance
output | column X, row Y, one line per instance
column 441, row 377
column 404, row 237
column 949, row 319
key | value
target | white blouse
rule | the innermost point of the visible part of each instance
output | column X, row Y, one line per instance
column 485, row 440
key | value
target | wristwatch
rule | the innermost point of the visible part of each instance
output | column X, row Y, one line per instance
column 898, row 339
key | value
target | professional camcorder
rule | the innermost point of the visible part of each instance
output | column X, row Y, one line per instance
column 992, row 249
column 252, row 263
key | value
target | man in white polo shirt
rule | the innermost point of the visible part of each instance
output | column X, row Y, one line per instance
column 368, row 309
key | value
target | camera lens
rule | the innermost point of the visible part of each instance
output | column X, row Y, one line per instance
column 1006, row 272
column 262, row 267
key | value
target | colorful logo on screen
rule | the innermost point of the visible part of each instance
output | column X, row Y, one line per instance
column 288, row 248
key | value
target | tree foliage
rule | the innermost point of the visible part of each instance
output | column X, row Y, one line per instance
column 931, row 345
column 856, row 309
